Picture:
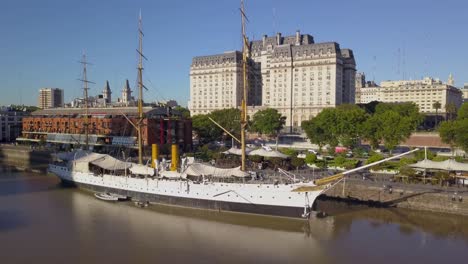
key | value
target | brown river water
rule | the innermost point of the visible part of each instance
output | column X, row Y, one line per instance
column 43, row 222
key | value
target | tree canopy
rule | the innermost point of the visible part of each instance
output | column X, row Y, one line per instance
column 455, row 132
column 347, row 124
column 207, row 131
column 182, row 110
column 268, row 122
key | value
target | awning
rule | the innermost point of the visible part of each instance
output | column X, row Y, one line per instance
column 141, row 169
column 198, row 169
column 268, row 153
column 110, row 163
column 449, row 165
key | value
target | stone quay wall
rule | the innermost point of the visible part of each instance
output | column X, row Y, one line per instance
column 437, row 199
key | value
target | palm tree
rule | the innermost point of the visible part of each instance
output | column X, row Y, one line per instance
column 436, row 105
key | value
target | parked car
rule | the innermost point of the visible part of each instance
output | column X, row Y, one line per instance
column 312, row 151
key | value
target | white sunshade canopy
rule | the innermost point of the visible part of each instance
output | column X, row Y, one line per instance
column 449, row 165
column 268, row 153
column 141, row 169
column 103, row 161
column 237, row 151
column 198, row 169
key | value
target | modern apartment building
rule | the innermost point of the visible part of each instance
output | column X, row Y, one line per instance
column 422, row 92
column 10, row 124
column 292, row 74
column 50, row 98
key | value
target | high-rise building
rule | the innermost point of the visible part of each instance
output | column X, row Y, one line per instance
column 424, row 93
column 50, row 98
column 292, row 74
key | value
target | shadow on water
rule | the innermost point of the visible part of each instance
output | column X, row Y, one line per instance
column 10, row 219
column 440, row 225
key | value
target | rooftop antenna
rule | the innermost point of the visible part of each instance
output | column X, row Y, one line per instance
column 86, row 103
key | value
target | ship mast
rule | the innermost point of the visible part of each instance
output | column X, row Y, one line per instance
column 140, row 91
column 245, row 52
column 86, row 101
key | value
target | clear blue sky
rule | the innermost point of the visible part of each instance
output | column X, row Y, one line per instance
column 41, row 41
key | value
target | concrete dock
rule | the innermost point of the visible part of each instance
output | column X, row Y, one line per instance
column 453, row 200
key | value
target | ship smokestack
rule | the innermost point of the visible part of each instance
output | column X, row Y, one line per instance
column 174, row 157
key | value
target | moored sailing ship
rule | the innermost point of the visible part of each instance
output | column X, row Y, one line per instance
column 192, row 184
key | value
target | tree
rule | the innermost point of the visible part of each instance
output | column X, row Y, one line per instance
column 391, row 124
column 310, row 158
column 371, row 131
column 455, row 132
column 297, row 162
column 394, row 128
column 409, row 110
column 350, row 119
column 183, row 111
column 436, row 105
column 461, row 134
column 268, row 122
column 205, row 129
column 463, row 112
column 447, row 132
column 321, row 129
column 315, row 133
column 451, row 110
column 229, row 119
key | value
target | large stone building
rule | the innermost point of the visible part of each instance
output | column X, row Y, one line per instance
column 465, row 92
column 422, row 92
column 216, row 82
column 108, row 127
column 50, row 98
column 292, row 74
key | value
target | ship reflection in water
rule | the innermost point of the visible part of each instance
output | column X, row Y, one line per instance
column 42, row 221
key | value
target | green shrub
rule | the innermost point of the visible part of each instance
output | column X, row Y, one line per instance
column 406, row 161
column 310, row 158
column 297, row 162
column 374, row 157
column 289, row 151
column 440, row 158
column 420, row 154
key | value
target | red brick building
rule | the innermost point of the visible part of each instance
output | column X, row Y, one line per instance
column 107, row 127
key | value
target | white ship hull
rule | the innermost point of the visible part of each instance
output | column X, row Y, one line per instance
column 270, row 199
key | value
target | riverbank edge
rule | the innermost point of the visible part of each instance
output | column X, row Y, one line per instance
column 439, row 201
